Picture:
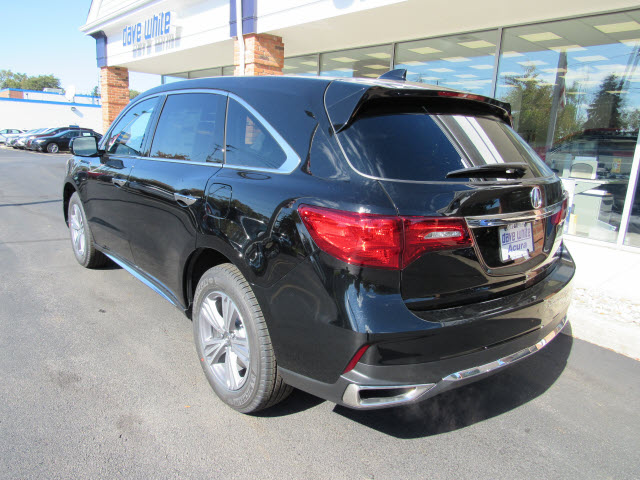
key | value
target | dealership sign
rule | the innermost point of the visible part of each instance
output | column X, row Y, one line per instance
column 154, row 29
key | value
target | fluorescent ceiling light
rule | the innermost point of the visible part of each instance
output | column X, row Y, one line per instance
column 466, row 75
column 311, row 64
column 507, row 86
column 425, row 50
column 509, row 74
column 511, row 54
column 288, row 67
column 567, row 48
column 575, row 93
column 588, row 82
column 618, row 27
column 546, row 84
column 455, row 59
column 631, row 42
column 615, row 67
column 372, row 75
column 378, row 67
column 617, row 91
column 554, row 70
column 379, row 55
column 477, row 44
column 342, row 69
column 482, row 67
column 532, row 63
column 343, row 59
column 540, row 37
column 413, row 63
column 592, row 58
column 441, row 70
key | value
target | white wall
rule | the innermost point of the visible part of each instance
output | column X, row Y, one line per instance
column 28, row 115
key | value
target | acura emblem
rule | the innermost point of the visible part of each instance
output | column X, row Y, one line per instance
column 536, row 197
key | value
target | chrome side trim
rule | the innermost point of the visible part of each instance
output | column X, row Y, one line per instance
column 351, row 396
column 143, row 280
column 506, row 218
column 504, row 361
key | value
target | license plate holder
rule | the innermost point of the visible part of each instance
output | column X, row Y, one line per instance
column 516, row 241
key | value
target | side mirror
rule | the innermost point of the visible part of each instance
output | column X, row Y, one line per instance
column 84, row 146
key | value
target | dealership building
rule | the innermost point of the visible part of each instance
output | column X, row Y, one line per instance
column 569, row 70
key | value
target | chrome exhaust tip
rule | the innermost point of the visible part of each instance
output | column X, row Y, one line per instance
column 378, row 396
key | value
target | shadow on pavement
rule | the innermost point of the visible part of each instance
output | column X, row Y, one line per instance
column 297, row 402
column 473, row 403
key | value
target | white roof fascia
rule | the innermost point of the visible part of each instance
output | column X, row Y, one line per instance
column 100, row 23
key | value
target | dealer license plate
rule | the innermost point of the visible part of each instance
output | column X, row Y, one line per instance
column 516, row 240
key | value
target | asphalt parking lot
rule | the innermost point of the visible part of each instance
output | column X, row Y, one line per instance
column 100, row 380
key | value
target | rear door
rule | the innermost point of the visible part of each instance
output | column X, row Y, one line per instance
column 449, row 159
column 167, row 185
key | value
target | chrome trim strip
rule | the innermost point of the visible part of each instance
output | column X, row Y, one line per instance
column 504, row 361
column 507, row 218
column 352, row 397
column 142, row 279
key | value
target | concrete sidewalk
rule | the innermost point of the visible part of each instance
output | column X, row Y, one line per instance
column 606, row 301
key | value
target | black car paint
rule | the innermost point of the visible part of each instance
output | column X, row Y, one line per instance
column 319, row 310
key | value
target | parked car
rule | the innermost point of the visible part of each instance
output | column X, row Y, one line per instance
column 55, row 142
column 373, row 243
column 30, row 142
column 7, row 134
column 20, row 140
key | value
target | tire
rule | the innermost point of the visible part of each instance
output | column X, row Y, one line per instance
column 53, row 148
column 236, row 355
column 81, row 238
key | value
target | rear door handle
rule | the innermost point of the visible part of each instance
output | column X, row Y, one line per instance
column 120, row 182
column 185, row 199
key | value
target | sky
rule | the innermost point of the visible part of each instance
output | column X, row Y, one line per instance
column 41, row 37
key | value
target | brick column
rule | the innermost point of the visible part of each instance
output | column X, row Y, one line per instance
column 263, row 54
column 114, row 93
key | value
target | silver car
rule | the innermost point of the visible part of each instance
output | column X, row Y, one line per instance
column 9, row 133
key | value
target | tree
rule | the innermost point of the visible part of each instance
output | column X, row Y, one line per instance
column 133, row 94
column 95, row 92
column 41, row 82
column 8, row 79
column 606, row 109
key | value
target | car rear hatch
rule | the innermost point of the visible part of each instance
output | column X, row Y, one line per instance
column 441, row 154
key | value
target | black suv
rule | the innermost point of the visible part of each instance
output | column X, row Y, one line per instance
column 372, row 242
column 60, row 140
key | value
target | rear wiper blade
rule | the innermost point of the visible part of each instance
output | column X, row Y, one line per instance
column 492, row 170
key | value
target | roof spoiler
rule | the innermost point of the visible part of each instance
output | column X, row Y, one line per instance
column 344, row 99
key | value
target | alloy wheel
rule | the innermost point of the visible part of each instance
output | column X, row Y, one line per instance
column 77, row 230
column 224, row 342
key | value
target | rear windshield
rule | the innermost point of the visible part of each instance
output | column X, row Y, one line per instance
column 413, row 144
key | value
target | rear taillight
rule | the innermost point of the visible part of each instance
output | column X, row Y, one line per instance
column 429, row 234
column 381, row 241
column 558, row 217
column 356, row 238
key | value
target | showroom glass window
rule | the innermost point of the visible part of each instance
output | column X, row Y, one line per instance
column 306, row 65
column 464, row 62
column 574, row 91
column 370, row 62
column 249, row 144
column 127, row 137
column 191, row 128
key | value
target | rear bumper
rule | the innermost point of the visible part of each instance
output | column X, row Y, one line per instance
column 409, row 366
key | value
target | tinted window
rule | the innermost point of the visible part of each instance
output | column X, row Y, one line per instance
column 191, row 127
column 249, row 144
column 414, row 145
column 127, row 136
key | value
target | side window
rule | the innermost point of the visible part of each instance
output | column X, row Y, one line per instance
column 191, row 128
column 249, row 144
column 127, row 136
